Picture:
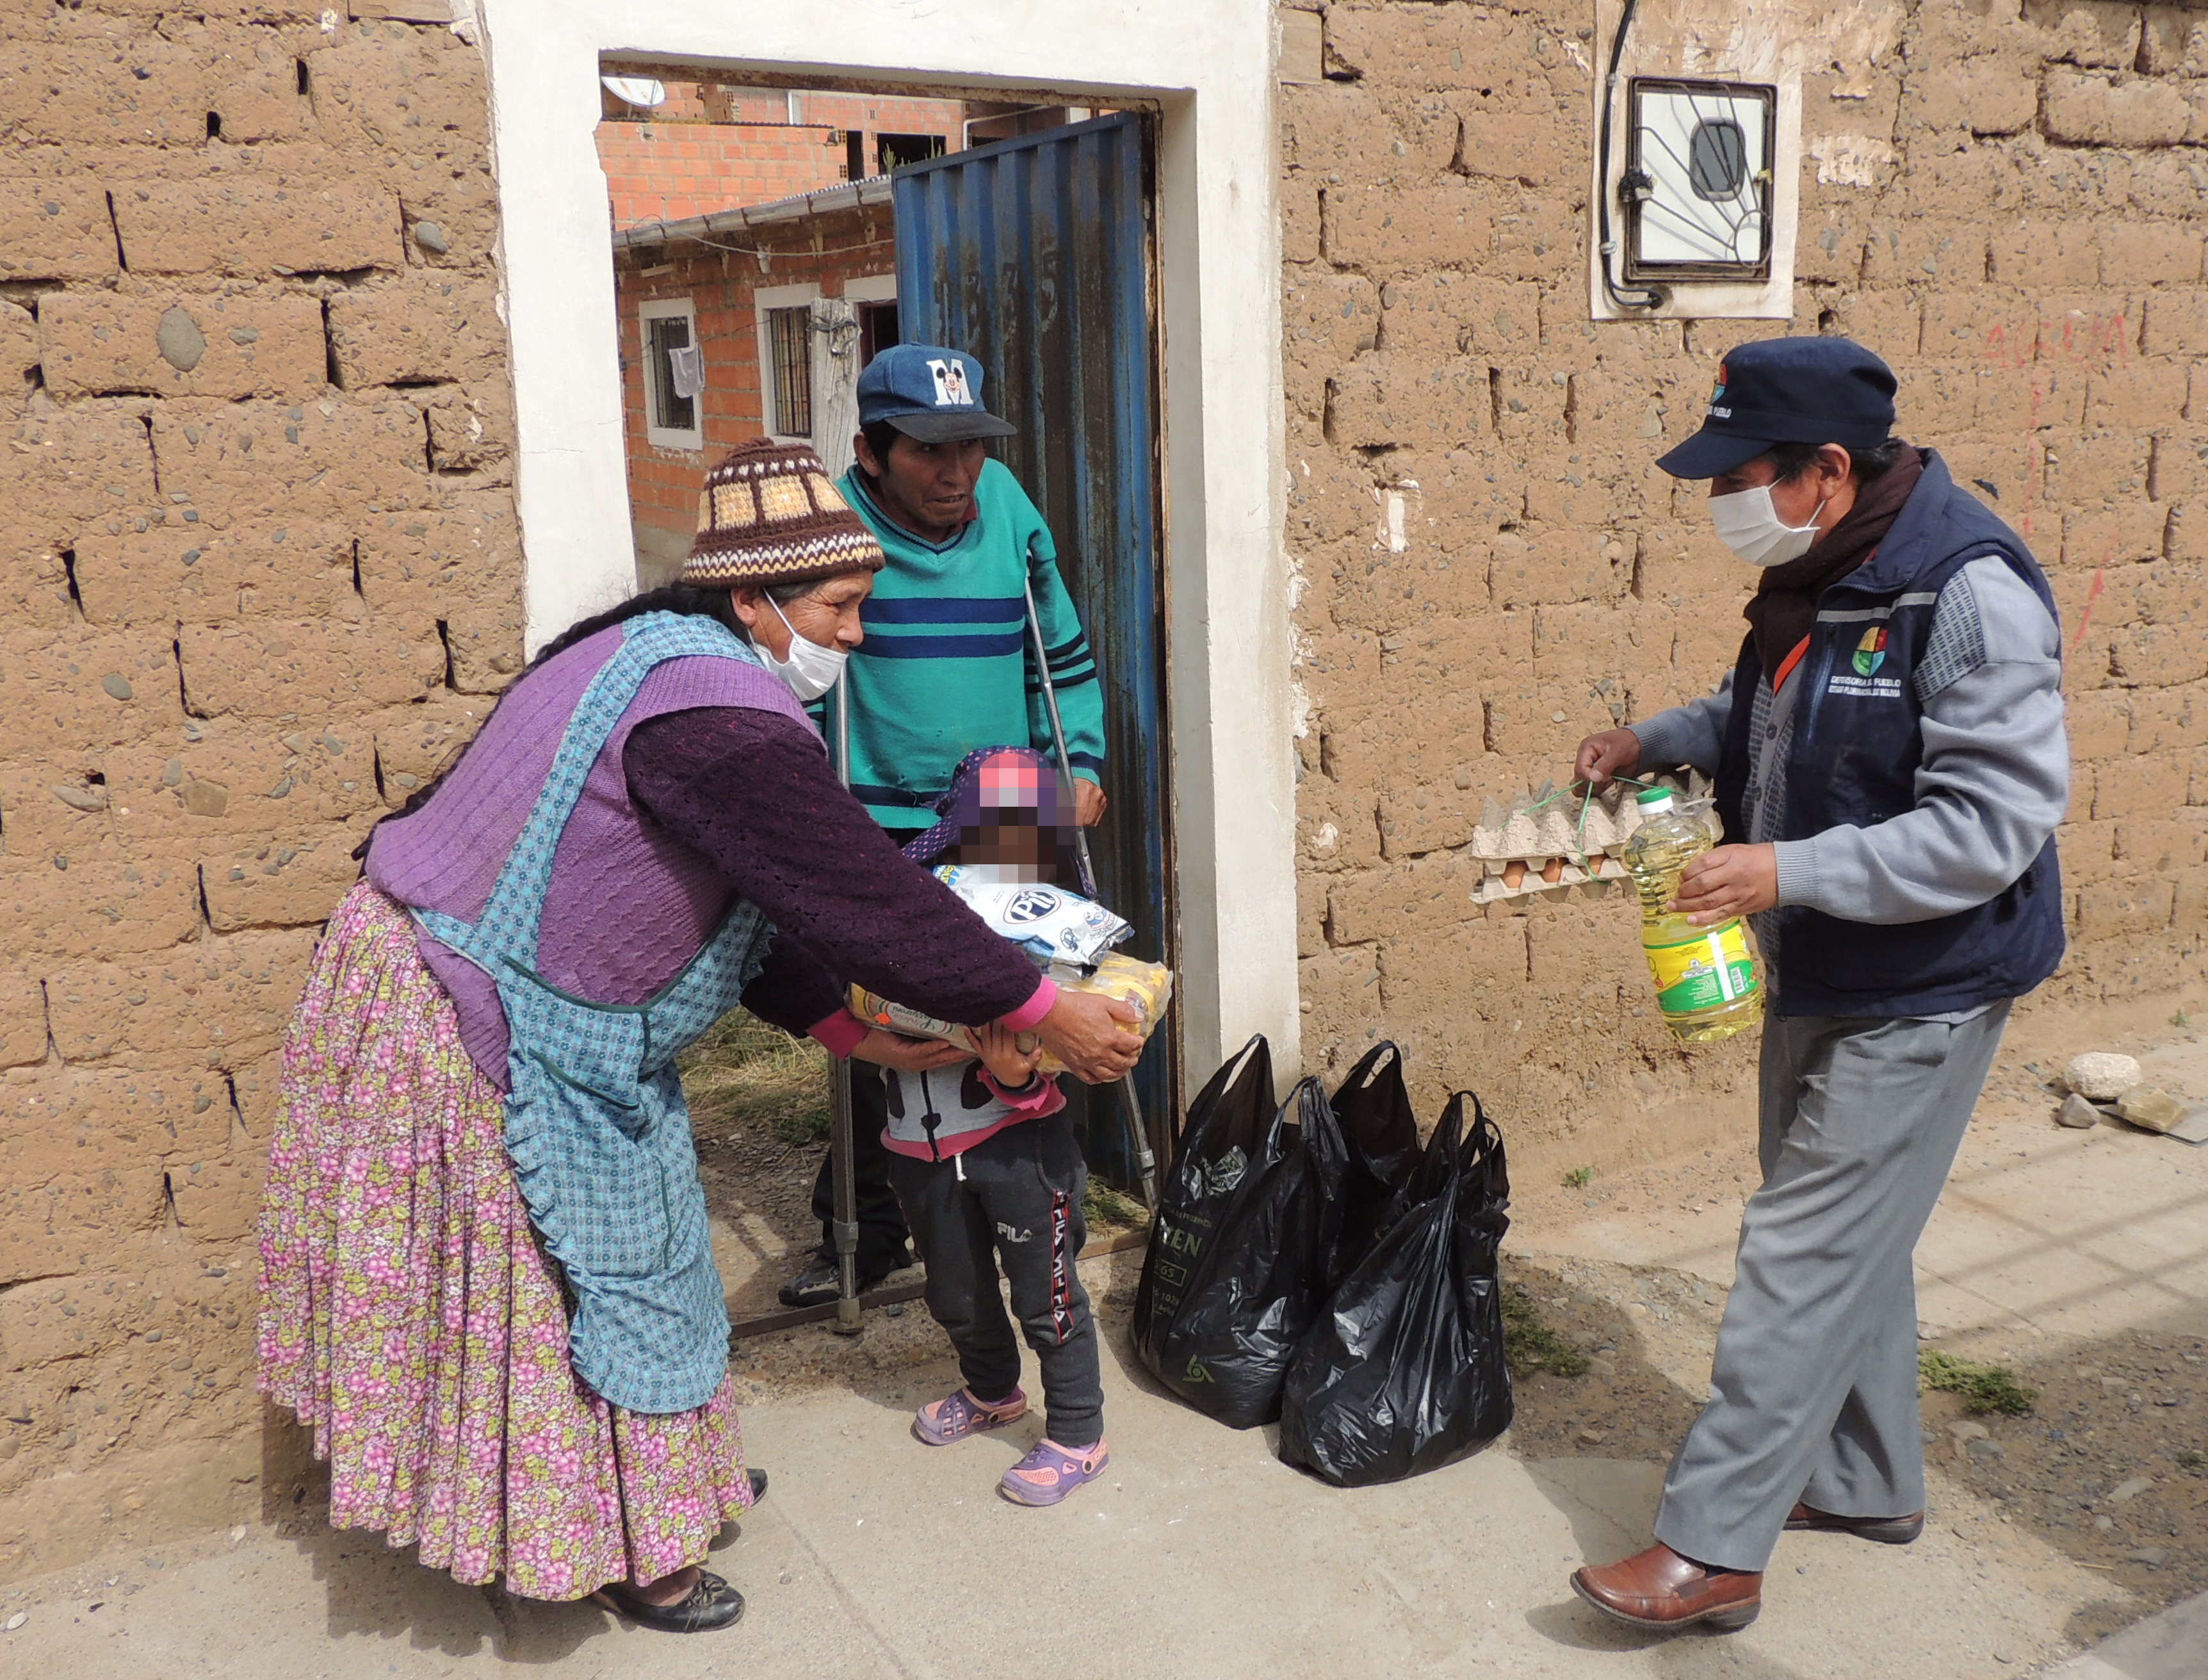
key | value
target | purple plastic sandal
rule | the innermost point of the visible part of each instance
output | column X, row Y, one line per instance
column 1049, row 1472
column 956, row 1416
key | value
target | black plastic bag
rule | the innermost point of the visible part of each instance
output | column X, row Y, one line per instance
column 1404, row 1372
column 1381, row 1134
column 1219, row 1140
column 1236, row 1273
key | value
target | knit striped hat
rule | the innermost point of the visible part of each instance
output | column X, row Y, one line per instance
column 768, row 514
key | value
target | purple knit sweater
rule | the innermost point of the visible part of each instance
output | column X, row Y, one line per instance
column 713, row 787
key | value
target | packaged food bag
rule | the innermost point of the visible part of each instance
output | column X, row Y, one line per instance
column 1147, row 986
column 1053, row 925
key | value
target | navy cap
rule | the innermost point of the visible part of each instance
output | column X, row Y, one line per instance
column 1788, row 391
column 928, row 392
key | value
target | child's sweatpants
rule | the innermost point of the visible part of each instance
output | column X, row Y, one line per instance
column 1015, row 1196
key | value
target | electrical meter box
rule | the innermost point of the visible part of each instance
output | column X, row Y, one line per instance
column 1697, row 188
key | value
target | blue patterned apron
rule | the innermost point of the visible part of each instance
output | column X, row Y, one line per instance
column 596, row 1125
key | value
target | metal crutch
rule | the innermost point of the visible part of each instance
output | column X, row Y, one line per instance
column 1130, row 1106
column 845, row 1225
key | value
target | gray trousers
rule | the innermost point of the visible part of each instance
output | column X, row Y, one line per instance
column 1015, row 1196
column 1814, row 1386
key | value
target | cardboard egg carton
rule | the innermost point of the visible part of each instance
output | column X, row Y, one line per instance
column 1552, row 845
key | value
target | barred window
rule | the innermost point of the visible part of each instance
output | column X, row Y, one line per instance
column 671, row 419
column 790, row 338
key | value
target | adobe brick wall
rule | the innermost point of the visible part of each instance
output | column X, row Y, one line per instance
column 662, row 484
column 260, row 573
column 2007, row 206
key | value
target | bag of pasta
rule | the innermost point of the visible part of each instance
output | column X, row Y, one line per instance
column 1147, row 986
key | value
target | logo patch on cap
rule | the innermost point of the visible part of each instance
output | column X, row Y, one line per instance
column 951, row 390
column 1717, row 395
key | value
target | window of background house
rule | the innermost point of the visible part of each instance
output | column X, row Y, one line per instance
column 785, row 361
column 896, row 151
column 877, row 328
column 789, row 336
column 873, row 301
column 670, row 419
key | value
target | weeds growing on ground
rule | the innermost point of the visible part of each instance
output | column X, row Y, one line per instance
column 1531, row 1346
column 1984, row 1387
column 1101, row 1204
column 744, row 1072
column 1579, row 1178
column 2189, row 1460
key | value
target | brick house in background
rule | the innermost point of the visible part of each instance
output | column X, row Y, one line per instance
column 799, row 169
column 726, row 227
column 739, row 286
column 704, row 147
column 268, row 316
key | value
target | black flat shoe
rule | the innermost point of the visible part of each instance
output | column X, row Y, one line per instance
column 712, row 1604
column 758, row 1479
column 822, row 1282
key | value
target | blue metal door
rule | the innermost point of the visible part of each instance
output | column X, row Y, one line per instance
column 1034, row 255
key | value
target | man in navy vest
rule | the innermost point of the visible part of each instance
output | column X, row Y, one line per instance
column 1891, row 764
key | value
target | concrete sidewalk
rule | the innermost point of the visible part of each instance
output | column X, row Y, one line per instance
column 2173, row 1645
column 1201, row 1555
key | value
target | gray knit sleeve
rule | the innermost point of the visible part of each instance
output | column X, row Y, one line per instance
column 1995, row 776
column 1686, row 734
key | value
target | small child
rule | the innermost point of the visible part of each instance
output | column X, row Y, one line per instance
column 987, row 1169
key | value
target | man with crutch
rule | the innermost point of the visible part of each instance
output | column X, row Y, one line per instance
column 948, row 665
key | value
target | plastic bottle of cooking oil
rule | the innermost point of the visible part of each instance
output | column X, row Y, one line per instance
column 1706, row 982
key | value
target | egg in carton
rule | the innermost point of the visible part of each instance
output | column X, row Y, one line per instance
column 1557, row 846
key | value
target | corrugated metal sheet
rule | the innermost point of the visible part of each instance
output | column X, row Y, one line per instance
column 1034, row 256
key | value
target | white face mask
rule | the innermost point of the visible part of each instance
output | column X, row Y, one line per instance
column 1749, row 525
column 811, row 670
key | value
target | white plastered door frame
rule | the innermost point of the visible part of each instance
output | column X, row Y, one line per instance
column 1210, row 71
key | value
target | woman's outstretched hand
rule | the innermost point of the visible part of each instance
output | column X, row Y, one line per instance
column 909, row 1055
column 1092, row 1036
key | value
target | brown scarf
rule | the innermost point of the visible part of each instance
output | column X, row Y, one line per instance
column 1785, row 604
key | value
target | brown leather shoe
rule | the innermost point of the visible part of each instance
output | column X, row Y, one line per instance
column 1885, row 1530
column 1660, row 1589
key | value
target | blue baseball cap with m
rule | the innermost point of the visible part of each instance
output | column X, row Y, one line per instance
column 1804, row 390
column 928, row 392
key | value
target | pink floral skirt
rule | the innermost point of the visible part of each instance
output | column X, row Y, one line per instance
column 409, row 1317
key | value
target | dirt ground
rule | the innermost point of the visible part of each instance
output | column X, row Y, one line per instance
column 2110, row 1465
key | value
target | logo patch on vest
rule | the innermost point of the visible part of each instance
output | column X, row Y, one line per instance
column 1870, row 651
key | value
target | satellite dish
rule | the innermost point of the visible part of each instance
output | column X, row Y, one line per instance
column 641, row 92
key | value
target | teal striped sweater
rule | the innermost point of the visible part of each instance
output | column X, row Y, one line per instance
column 946, row 666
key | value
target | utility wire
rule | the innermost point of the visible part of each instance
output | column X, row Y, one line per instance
column 1648, row 298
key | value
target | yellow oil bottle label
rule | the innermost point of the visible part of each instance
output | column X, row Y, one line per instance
column 1710, row 970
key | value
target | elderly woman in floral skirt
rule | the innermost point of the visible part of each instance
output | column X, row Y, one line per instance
column 487, row 1287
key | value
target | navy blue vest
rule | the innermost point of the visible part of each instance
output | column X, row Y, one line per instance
column 1855, row 751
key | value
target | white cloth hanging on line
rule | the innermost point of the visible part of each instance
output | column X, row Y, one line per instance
column 688, row 365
